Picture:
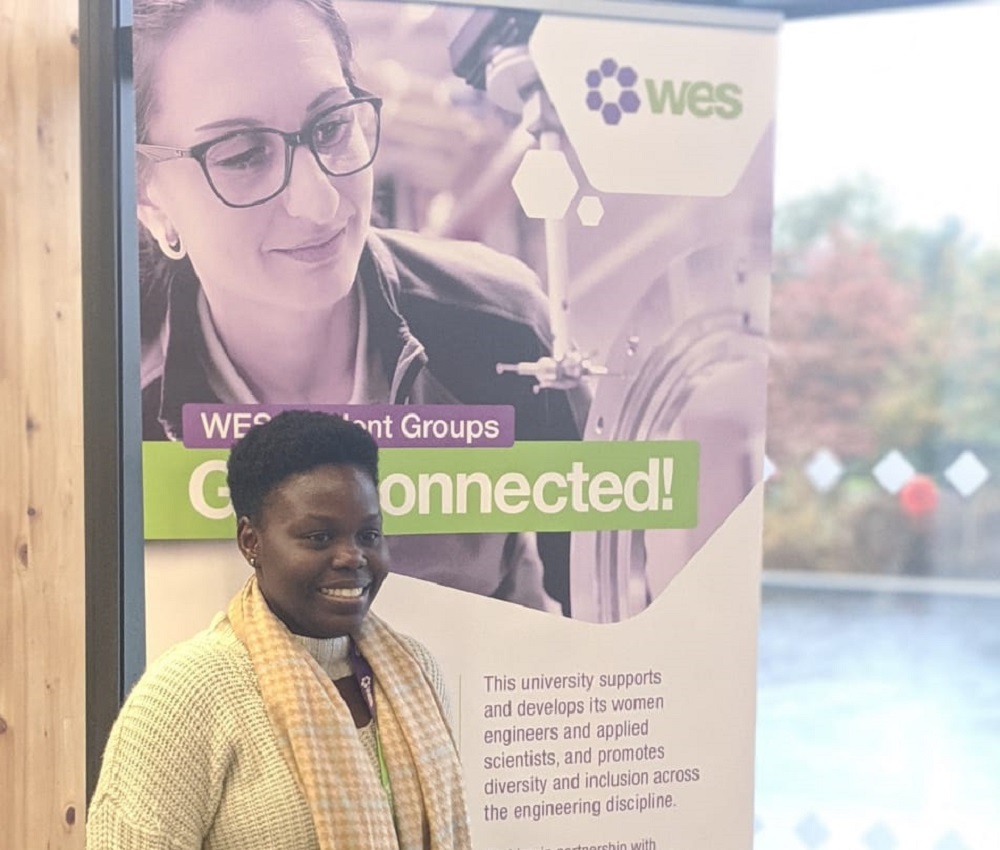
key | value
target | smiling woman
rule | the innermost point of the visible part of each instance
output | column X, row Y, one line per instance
column 310, row 523
column 276, row 67
column 298, row 720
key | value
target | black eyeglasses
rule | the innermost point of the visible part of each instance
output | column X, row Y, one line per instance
column 249, row 167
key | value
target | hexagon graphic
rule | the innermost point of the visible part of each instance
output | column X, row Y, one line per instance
column 590, row 210
column 544, row 184
column 610, row 90
column 629, row 101
column 627, row 77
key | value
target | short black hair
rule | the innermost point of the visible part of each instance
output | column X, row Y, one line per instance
column 294, row 441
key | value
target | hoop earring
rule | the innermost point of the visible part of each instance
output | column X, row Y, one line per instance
column 174, row 250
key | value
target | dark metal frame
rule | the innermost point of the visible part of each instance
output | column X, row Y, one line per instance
column 795, row 9
column 115, row 630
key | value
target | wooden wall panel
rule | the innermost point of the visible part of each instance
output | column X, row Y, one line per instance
column 42, row 706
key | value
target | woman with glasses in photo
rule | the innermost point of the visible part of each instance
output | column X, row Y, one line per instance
column 264, row 282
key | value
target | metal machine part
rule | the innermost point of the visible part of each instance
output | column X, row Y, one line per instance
column 490, row 52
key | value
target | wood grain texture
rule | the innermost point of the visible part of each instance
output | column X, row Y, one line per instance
column 42, row 707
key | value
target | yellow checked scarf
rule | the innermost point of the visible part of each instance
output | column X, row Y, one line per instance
column 318, row 737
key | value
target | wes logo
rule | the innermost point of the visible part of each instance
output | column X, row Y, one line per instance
column 701, row 98
column 660, row 108
column 613, row 90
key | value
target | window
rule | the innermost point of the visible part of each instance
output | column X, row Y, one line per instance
column 879, row 696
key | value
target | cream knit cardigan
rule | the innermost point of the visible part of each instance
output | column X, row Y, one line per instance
column 192, row 763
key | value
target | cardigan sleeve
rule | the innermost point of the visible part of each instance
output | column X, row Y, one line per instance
column 165, row 763
column 434, row 675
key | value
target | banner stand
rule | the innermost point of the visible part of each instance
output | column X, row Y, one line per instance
column 574, row 247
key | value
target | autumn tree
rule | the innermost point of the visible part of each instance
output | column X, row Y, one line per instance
column 840, row 318
column 884, row 337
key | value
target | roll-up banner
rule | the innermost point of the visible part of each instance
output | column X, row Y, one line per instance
column 529, row 251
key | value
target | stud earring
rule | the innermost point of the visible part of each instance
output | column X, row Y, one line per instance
column 252, row 561
column 174, row 249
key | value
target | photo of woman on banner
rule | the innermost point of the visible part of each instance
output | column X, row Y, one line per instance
column 264, row 281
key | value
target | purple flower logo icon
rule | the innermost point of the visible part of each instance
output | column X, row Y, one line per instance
column 611, row 91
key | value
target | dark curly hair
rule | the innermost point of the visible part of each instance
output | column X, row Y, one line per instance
column 294, row 441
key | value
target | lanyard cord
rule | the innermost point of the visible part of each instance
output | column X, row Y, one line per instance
column 366, row 681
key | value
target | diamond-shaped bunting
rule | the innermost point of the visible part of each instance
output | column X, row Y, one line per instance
column 812, row 832
column 880, row 837
column 824, row 470
column 893, row 471
column 967, row 474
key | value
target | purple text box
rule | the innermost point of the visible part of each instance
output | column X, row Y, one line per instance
column 217, row 426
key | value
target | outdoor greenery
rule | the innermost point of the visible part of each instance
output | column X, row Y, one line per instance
column 883, row 337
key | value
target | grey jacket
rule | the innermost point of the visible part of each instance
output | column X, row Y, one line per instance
column 443, row 314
